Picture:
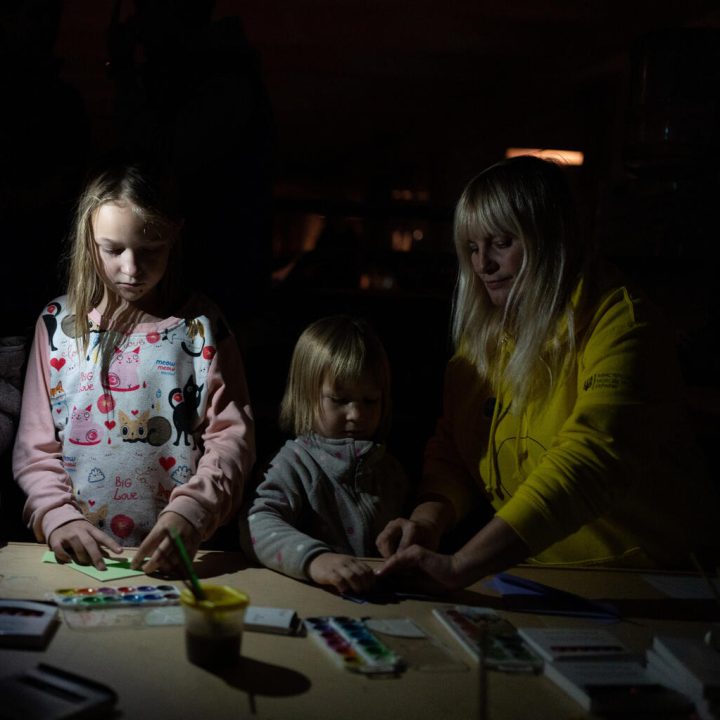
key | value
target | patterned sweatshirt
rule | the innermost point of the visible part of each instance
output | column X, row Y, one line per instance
column 171, row 428
column 324, row 495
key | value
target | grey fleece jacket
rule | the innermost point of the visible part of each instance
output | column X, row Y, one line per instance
column 324, row 495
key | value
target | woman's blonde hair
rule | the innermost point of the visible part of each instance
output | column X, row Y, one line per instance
column 529, row 199
column 150, row 195
column 341, row 349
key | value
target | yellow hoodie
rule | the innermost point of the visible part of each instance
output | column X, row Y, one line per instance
column 604, row 469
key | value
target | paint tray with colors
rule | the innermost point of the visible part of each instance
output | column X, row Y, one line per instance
column 352, row 646
column 105, row 598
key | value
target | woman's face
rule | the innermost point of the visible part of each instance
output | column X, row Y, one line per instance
column 497, row 260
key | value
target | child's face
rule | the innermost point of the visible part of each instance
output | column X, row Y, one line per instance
column 133, row 262
column 350, row 410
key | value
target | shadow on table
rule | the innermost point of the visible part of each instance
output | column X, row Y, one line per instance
column 260, row 678
column 212, row 564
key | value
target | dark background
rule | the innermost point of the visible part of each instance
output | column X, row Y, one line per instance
column 322, row 144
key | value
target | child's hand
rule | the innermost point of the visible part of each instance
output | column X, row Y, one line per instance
column 159, row 548
column 344, row 572
column 81, row 542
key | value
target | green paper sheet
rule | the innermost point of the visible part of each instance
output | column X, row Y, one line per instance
column 116, row 568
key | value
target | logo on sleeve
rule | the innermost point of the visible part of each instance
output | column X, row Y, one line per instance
column 607, row 381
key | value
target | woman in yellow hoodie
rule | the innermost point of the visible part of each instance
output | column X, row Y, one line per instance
column 562, row 403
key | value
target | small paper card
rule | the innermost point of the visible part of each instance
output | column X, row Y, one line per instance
column 117, row 568
column 280, row 621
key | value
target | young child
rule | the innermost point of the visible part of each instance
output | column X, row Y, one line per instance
column 328, row 493
column 135, row 416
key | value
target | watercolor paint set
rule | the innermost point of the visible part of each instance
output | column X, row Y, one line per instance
column 103, row 598
column 88, row 608
column 484, row 630
column 353, row 646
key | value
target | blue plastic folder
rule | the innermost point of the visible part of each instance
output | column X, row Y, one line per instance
column 523, row 595
column 117, row 568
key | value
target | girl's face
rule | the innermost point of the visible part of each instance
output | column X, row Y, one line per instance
column 133, row 262
column 350, row 410
column 497, row 261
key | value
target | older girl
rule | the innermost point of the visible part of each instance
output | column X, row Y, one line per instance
column 135, row 416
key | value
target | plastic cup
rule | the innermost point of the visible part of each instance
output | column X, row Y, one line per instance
column 214, row 626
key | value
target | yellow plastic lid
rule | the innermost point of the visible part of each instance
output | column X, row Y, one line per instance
column 216, row 596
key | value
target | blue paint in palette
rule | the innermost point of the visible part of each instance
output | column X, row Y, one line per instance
column 352, row 646
column 109, row 597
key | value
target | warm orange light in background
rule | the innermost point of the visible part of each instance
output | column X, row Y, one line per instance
column 402, row 241
column 566, row 157
column 407, row 194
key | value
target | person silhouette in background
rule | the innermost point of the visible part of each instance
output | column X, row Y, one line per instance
column 333, row 264
column 44, row 147
column 190, row 89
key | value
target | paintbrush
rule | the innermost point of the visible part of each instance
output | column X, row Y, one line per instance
column 191, row 579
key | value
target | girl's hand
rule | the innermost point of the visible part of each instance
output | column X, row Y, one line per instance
column 157, row 552
column 81, row 542
column 343, row 572
column 400, row 534
column 418, row 568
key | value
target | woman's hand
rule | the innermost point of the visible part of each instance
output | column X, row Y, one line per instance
column 343, row 572
column 492, row 549
column 157, row 552
column 426, row 526
column 81, row 542
column 417, row 568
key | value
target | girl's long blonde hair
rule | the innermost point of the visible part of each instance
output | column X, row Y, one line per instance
column 150, row 194
column 520, row 346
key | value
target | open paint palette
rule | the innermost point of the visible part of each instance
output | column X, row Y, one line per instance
column 112, row 607
column 351, row 644
column 110, row 597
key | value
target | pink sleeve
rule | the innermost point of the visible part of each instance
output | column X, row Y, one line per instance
column 37, row 455
column 213, row 495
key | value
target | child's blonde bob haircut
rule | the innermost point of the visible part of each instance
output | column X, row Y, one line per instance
column 342, row 350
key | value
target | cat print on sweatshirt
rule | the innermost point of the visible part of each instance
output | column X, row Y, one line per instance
column 185, row 402
column 123, row 372
column 154, row 430
column 59, row 405
column 95, row 516
column 50, row 319
column 82, row 428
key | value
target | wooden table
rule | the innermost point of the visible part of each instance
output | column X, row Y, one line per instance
column 290, row 677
